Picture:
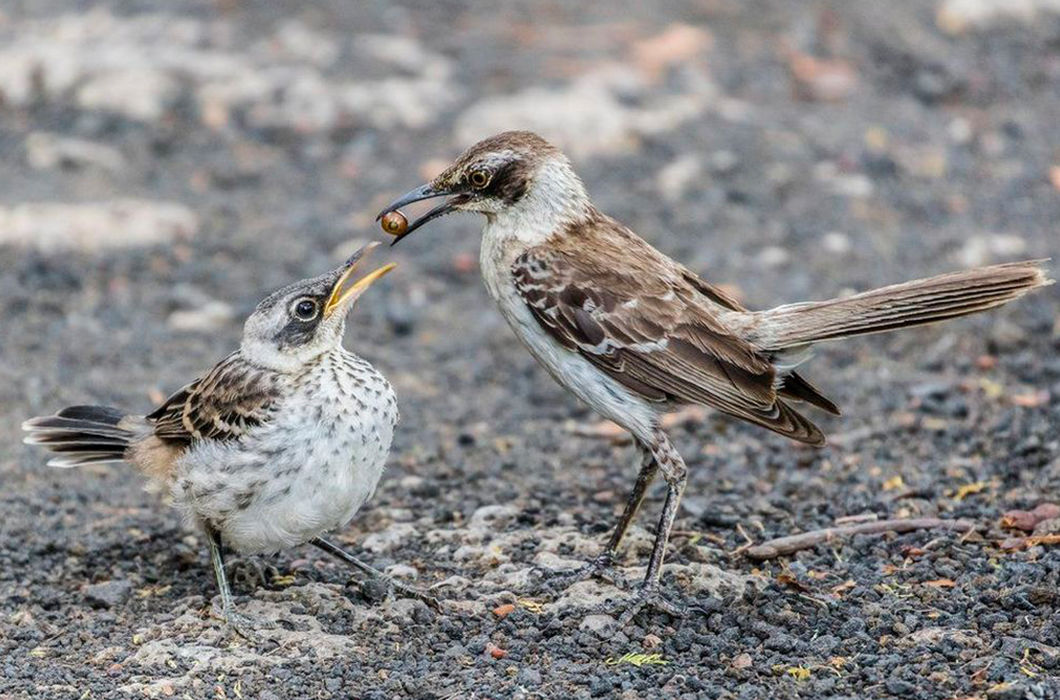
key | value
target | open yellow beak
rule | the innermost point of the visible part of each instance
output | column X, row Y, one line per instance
column 340, row 299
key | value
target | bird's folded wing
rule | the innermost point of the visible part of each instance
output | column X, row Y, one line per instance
column 652, row 333
column 221, row 405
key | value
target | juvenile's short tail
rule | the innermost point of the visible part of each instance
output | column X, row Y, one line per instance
column 898, row 306
column 81, row 435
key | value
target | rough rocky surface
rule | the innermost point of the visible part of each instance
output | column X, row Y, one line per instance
column 164, row 164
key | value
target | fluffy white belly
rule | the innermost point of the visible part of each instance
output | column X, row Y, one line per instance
column 605, row 395
column 306, row 471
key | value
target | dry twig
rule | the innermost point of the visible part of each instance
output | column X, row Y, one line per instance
column 805, row 540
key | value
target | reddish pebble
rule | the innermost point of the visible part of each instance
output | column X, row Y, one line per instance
column 464, row 262
column 1047, row 511
column 986, row 362
column 495, row 651
column 503, row 610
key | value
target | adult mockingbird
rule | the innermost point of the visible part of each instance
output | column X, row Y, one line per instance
column 635, row 334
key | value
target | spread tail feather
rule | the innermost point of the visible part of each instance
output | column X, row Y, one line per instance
column 80, row 435
column 898, row 306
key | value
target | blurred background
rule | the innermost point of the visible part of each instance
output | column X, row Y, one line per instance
column 165, row 164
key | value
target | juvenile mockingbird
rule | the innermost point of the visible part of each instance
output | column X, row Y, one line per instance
column 635, row 334
column 280, row 442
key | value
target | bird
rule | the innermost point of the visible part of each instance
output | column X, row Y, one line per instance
column 635, row 334
column 280, row 442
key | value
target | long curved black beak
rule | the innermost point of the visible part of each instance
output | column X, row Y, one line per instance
column 420, row 193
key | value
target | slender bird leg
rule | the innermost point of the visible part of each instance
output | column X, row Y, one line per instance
column 393, row 587
column 606, row 559
column 676, row 474
column 240, row 624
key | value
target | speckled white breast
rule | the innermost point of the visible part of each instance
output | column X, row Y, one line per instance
column 305, row 471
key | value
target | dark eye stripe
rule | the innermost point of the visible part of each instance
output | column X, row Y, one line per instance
column 301, row 328
column 509, row 183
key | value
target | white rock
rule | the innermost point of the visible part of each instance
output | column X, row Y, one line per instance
column 510, row 577
column 389, row 539
column 189, row 645
column 209, row 317
column 960, row 131
column 554, row 562
column 960, row 16
column 404, row 571
column 125, row 223
column 698, row 578
column 138, row 92
column 294, row 40
column 855, row 186
column 600, row 624
column 589, row 116
column 138, row 66
column 494, row 517
column 45, row 151
column 772, row 257
column 677, row 177
column 836, row 243
column 410, row 482
column 484, row 555
column 586, row 594
column 987, row 248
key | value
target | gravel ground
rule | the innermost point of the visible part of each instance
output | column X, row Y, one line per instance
column 164, row 164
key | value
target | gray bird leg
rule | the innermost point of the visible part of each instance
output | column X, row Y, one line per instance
column 674, row 471
column 648, row 469
column 217, row 559
column 393, row 586
column 676, row 475
column 606, row 559
column 241, row 624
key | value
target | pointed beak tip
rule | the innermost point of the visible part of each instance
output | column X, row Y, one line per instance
column 344, row 299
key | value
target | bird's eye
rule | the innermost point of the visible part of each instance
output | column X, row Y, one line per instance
column 479, row 179
column 305, row 310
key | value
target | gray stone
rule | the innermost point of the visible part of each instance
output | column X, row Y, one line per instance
column 602, row 625
column 108, row 593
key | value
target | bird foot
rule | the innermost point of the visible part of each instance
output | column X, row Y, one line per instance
column 602, row 568
column 647, row 596
column 251, row 572
column 383, row 587
column 245, row 626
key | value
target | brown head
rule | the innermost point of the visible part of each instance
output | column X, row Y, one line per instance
column 511, row 172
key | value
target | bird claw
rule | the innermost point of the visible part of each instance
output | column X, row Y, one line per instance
column 245, row 626
column 251, row 572
column 383, row 587
column 400, row 589
column 647, row 596
column 602, row 568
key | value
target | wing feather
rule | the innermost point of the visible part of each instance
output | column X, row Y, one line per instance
column 658, row 335
column 223, row 404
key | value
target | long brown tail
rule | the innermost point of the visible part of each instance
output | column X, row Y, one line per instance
column 81, row 435
column 898, row 306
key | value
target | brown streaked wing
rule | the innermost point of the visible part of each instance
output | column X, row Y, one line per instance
column 630, row 312
column 221, row 405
